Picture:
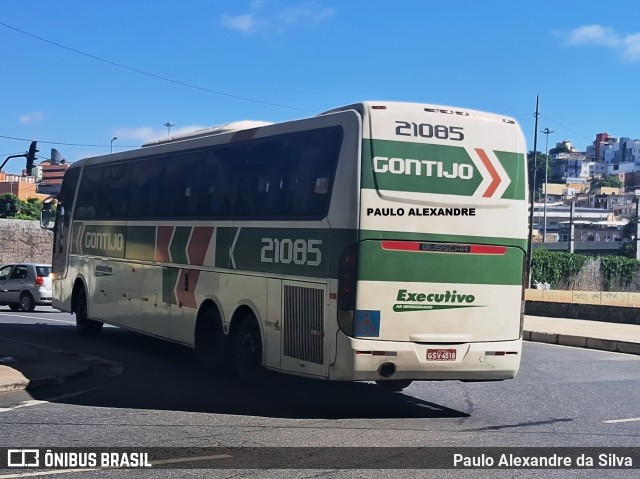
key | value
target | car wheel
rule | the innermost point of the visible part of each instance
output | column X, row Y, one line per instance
column 14, row 307
column 84, row 325
column 27, row 303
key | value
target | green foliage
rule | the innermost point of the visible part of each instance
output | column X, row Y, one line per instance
column 542, row 161
column 609, row 181
column 12, row 207
column 9, row 205
column 554, row 266
column 618, row 269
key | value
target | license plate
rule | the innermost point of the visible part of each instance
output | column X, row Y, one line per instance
column 441, row 354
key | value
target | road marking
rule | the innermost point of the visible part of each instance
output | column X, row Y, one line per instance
column 37, row 317
column 631, row 419
column 155, row 463
column 21, row 405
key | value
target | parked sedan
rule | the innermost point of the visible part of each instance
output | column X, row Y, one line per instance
column 23, row 286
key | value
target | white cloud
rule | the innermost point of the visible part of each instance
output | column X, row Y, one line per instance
column 628, row 46
column 146, row 133
column 33, row 117
column 264, row 19
column 247, row 23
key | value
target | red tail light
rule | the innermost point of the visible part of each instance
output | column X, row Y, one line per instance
column 347, row 280
column 39, row 281
column 347, row 277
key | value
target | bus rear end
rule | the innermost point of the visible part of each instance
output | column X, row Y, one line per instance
column 438, row 269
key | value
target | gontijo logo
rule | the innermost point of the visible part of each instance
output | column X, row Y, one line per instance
column 494, row 180
column 417, row 301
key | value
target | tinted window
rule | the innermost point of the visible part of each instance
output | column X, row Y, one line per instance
column 280, row 177
column 19, row 272
column 43, row 270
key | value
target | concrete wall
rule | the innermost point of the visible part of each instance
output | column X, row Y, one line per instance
column 22, row 240
column 593, row 312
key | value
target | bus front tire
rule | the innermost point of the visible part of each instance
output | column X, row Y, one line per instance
column 84, row 325
column 247, row 352
column 394, row 385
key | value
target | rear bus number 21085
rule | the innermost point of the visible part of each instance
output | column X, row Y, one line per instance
column 287, row 251
column 426, row 130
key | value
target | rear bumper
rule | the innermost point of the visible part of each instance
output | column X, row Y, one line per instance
column 360, row 360
column 43, row 297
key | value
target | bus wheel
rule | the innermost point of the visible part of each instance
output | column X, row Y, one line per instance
column 84, row 325
column 393, row 385
column 210, row 340
column 247, row 352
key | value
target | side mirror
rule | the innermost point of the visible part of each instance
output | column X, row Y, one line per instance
column 48, row 213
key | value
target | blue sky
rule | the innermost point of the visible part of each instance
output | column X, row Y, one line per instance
column 78, row 73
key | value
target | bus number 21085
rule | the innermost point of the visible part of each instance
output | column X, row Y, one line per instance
column 286, row 251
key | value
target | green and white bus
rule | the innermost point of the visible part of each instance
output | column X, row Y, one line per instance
column 379, row 241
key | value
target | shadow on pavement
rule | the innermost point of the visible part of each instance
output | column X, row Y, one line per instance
column 157, row 374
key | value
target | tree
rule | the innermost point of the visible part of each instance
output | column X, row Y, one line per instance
column 628, row 246
column 542, row 161
column 609, row 181
column 9, row 205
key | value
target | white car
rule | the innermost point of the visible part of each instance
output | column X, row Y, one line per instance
column 23, row 286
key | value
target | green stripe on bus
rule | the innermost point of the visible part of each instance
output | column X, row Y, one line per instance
column 141, row 243
column 178, row 248
column 376, row 264
column 169, row 281
column 448, row 156
column 513, row 164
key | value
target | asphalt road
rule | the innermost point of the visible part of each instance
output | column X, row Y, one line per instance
column 562, row 397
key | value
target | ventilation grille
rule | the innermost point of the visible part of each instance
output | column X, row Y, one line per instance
column 303, row 325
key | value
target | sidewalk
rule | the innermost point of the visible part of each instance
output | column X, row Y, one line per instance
column 622, row 338
column 28, row 366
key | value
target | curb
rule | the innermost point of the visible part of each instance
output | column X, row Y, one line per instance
column 14, row 380
column 614, row 346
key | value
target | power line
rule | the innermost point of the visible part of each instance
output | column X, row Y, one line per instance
column 567, row 128
column 152, row 75
column 65, row 144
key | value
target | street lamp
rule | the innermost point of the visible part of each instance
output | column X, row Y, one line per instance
column 169, row 125
column 547, row 132
column 112, row 140
column 637, row 195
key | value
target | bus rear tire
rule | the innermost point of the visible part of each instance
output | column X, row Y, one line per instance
column 85, row 326
column 394, row 385
column 247, row 352
column 210, row 342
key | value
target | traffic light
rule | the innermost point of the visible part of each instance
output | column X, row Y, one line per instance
column 31, row 157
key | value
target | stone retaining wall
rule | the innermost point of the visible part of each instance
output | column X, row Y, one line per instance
column 23, row 240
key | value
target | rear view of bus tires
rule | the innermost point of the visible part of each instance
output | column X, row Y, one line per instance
column 210, row 342
column 84, row 325
column 247, row 351
column 394, row 385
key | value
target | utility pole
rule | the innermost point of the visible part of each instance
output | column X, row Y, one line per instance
column 547, row 132
column 533, row 190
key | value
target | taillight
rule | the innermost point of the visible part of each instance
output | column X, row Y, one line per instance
column 39, row 281
column 347, row 280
